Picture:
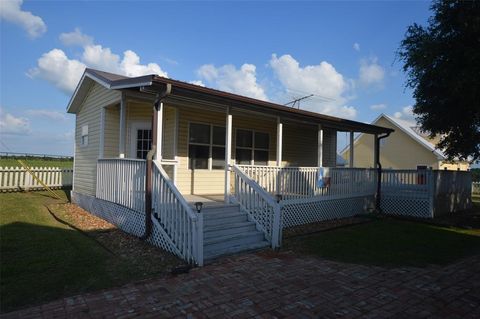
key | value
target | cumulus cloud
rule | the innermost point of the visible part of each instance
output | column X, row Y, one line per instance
column 356, row 46
column 228, row 78
column 406, row 114
column 76, row 37
column 322, row 80
column 371, row 73
column 57, row 68
column 47, row 114
column 378, row 107
column 10, row 10
column 197, row 82
column 10, row 124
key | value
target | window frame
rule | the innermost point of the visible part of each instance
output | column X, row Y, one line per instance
column 135, row 126
column 84, row 134
column 210, row 146
column 253, row 148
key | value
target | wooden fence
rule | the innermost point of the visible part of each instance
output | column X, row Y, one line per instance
column 13, row 179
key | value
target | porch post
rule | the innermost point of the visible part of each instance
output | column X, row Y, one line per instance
column 228, row 154
column 123, row 117
column 175, row 147
column 320, row 146
column 351, row 149
column 279, row 141
column 159, row 153
column 375, row 151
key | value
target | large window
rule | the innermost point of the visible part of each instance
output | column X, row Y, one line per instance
column 251, row 147
column 206, row 146
column 144, row 143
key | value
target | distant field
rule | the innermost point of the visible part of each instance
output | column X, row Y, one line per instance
column 37, row 162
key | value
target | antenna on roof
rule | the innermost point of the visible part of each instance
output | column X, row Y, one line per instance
column 297, row 101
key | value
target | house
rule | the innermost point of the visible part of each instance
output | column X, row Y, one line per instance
column 247, row 161
column 406, row 148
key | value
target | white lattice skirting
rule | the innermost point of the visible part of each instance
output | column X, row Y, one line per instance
column 326, row 209
column 126, row 219
column 393, row 204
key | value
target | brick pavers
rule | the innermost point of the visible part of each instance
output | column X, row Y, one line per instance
column 269, row 285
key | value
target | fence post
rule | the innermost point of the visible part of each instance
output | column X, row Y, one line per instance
column 200, row 239
column 431, row 191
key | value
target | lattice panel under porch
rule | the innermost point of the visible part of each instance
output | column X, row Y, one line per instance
column 405, row 206
column 126, row 219
column 305, row 213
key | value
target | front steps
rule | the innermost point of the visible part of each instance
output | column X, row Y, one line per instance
column 227, row 230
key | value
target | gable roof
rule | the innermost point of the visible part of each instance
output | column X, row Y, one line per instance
column 408, row 129
column 187, row 90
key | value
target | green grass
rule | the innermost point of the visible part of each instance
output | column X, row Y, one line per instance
column 391, row 243
column 37, row 162
column 42, row 259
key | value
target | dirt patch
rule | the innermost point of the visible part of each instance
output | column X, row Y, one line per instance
column 147, row 259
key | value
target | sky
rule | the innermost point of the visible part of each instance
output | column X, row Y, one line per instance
column 342, row 52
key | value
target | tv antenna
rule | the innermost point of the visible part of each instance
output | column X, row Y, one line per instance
column 297, row 101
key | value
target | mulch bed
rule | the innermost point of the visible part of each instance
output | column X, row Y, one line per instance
column 148, row 258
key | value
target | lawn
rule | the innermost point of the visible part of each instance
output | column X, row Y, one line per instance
column 36, row 162
column 393, row 242
column 44, row 259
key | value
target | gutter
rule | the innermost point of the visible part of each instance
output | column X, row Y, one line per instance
column 379, row 172
column 149, row 167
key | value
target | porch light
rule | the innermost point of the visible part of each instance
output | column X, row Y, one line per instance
column 278, row 197
column 198, row 206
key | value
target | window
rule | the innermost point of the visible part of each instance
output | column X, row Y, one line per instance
column 206, row 146
column 84, row 136
column 251, row 147
column 144, row 143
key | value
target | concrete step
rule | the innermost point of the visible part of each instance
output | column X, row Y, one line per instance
column 228, row 229
column 210, row 255
column 221, row 242
column 224, row 219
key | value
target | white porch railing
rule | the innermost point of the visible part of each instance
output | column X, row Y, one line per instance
column 122, row 181
column 296, row 183
column 259, row 205
column 176, row 217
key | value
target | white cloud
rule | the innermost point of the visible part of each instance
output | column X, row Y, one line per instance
column 378, row 107
column 76, row 37
column 11, row 11
column 48, row 114
column 371, row 73
column 356, row 46
column 57, row 68
column 323, row 80
column 406, row 114
column 197, row 82
column 10, row 124
column 228, row 78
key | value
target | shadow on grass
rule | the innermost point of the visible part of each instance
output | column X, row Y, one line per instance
column 390, row 243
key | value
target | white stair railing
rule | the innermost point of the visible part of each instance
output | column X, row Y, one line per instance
column 176, row 217
column 260, row 206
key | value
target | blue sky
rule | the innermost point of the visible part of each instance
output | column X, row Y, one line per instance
column 343, row 52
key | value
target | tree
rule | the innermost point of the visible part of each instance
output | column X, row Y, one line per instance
column 442, row 63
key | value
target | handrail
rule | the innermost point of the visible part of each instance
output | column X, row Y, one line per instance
column 265, row 195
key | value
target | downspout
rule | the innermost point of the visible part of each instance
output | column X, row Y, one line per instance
column 379, row 172
column 149, row 167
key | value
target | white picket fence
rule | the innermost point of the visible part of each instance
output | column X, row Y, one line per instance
column 476, row 188
column 17, row 178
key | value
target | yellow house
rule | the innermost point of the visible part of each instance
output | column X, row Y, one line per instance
column 406, row 148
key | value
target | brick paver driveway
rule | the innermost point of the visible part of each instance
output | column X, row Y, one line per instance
column 283, row 285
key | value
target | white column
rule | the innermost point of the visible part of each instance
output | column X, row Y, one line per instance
column 175, row 146
column 351, row 150
column 101, row 151
column 320, row 147
column 228, row 154
column 279, row 141
column 158, row 153
column 375, row 151
column 123, row 133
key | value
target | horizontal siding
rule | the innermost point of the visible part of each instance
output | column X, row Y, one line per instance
column 112, row 131
column 329, row 148
column 299, row 145
column 137, row 112
column 85, row 167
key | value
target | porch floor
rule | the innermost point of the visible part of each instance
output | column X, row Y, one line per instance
column 208, row 200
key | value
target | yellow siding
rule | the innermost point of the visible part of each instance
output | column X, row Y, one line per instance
column 299, row 145
column 85, row 168
column 137, row 112
column 112, row 129
column 400, row 151
column 329, row 148
column 462, row 166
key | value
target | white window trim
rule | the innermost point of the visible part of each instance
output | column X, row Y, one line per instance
column 210, row 146
column 252, row 148
column 84, row 132
column 140, row 125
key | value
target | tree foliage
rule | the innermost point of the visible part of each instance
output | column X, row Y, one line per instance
column 442, row 62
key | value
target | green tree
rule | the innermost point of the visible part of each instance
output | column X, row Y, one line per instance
column 442, row 63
